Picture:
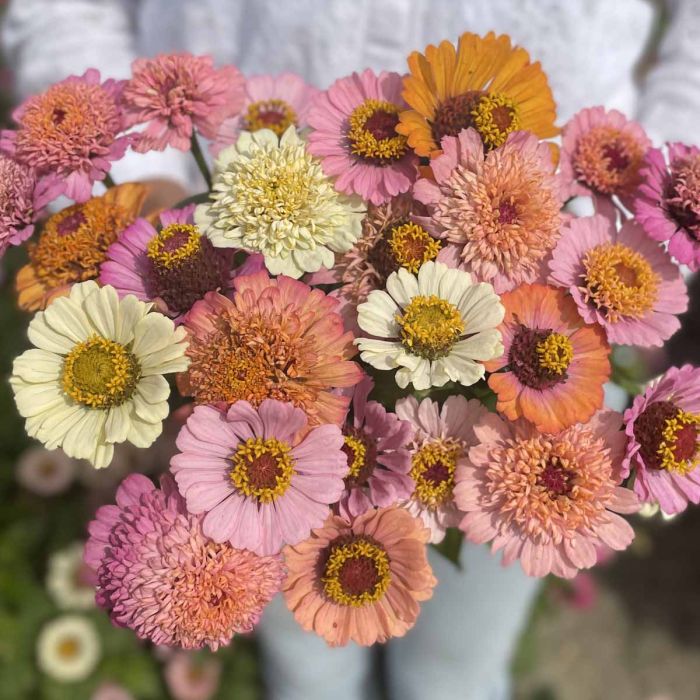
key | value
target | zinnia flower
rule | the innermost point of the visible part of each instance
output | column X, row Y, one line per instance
column 68, row 579
column 554, row 364
column 668, row 201
column 45, row 472
column 486, row 84
column 663, row 451
column 95, row 377
column 548, row 500
column 159, row 575
column 499, row 214
column 68, row 649
column 111, row 691
column 73, row 243
column 434, row 327
column 270, row 196
column 442, row 437
column 258, row 482
column 354, row 135
column 277, row 339
column 174, row 94
column 361, row 580
column 70, row 132
column 273, row 102
column 191, row 678
column 375, row 446
column 620, row 279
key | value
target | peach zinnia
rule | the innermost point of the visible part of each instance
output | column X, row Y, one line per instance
column 360, row 580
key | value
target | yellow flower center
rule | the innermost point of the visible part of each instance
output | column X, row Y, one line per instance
column 495, row 116
column 411, row 246
column 262, row 468
column 678, row 450
column 173, row 245
column 372, row 133
column 68, row 648
column 619, row 281
column 100, row 373
column 433, row 470
column 273, row 114
column 554, row 353
column 356, row 572
column 356, row 451
column 430, row 326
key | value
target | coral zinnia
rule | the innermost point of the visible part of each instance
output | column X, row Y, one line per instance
column 663, row 450
column 555, row 365
column 354, row 135
column 499, row 215
column 159, row 575
column 260, row 477
column 362, row 580
column 73, row 243
column 486, row 84
column 277, row 339
column 70, row 133
column 620, row 279
column 548, row 500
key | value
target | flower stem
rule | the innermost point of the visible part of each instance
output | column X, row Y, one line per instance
column 199, row 158
column 108, row 182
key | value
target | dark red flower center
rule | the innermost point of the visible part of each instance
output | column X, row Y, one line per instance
column 359, row 575
column 507, row 213
column 556, row 478
column 361, row 451
column 263, row 472
column 382, row 125
column 526, row 363
column 617, row 159
column 455, row 113
column 71, row 223
column 437, row 474
column 58, row 115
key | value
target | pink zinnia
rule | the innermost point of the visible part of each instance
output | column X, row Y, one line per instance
column 174, row 94
column 668, row 201
column 260, row 478
column 375, row 445
column 663, row 450
column 70, row 132
column 548, row 500
column 159, row 575
column 354, row 135
column 620, row 279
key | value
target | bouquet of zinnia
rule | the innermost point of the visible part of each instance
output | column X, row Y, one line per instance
column 386, row 329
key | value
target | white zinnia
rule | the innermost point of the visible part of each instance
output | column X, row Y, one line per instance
column 436, row 327
column 271, row 196
column 68, row 648
column 45, row 472
column 63, row 579
column 95, row 377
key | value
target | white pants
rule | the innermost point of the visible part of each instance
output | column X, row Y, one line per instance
column 460, row 648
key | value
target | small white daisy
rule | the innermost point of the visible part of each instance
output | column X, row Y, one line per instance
column 68, row 648
column 66, row 579
column 434, row 327
column 45, row 472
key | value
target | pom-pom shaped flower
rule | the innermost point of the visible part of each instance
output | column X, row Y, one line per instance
column 499, row 215
column 270, row 196
column 668, row 201
column 548, row 500
column 375, row 445
column 554, row 365
column 354, row 135
column 159, row 575
column 95, row 377
column 174, row 94
column 70, row 132
column 434, row 327
column 258, row 482
column 663, row 449
column 73, row 244
column 620, row 279
column 442, row 438
column 485, row 83
column 360, row 580
column 277, row 339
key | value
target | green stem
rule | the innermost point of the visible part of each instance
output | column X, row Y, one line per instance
column 199, row 158
column 108, row 182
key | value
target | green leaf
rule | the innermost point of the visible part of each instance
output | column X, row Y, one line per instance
column 451, row 546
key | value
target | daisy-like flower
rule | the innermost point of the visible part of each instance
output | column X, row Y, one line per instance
column 70, row 133
column 668, row 201
column 45, row 472
column 375, row 445
column 499, row 215
column 73, row 243
column 554, row 365
column 257, row 482
column 174, row 94
column 189, row 677
column 602, row 153
column 69, row 580
column 273, row 102
column 95, row 375
column 159, row 575
column 620, row 279
column 434, row 327
column 485, row 83
column 68, row 649
column 271, row 196
column 663, row 449
column 277, row 338
column 360, row 580
column 442, row 437
column 354, row 135
column 548, row 500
